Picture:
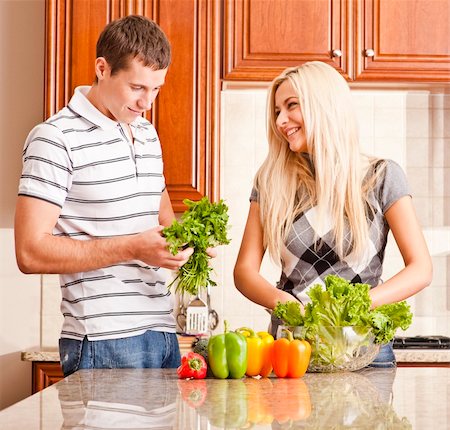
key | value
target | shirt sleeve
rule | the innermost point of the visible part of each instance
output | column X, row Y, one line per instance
column 47, row 165
column 254, row 195
column 394, row 186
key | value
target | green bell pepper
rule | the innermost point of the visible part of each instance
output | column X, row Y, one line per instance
column 227, row 354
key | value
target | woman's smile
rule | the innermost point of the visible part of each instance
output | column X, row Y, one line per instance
column 289, row 118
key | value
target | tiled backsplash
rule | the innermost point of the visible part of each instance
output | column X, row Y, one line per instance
column 411, row 127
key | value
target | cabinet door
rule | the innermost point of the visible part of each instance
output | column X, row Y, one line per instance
column 185, row 113
column 262, row 37
column 403, row 40
column 44, row 374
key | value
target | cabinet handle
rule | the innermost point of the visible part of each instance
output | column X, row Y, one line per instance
column 336, row 53
column 369, row 53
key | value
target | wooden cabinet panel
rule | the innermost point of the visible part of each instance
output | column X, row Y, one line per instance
column 422, row 364
column 185, row 113
column 44, row 374
column 262, row 37
column 410, row 40
column 187, row 109
column 72, row 29
column 378, row 40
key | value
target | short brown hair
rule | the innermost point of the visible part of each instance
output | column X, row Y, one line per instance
column 130, row 37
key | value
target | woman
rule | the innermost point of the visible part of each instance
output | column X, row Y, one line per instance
column 321, row 207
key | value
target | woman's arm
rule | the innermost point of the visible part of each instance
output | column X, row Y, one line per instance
column 246, row 271
column 418, row 270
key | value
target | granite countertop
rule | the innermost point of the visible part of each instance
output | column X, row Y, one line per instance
column 402, row 398
column 38, row 354
column 402, row 355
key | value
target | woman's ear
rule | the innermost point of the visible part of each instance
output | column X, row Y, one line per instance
column 102, row 68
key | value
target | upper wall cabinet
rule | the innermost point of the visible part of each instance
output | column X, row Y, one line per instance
column 375, row 40
column 262, row 37
column 185, row 113
column 403, row 40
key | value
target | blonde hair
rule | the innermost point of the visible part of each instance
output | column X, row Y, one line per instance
column 289, row 184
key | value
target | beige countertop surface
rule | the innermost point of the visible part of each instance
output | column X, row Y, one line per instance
column 402, row 355
column 402, row 398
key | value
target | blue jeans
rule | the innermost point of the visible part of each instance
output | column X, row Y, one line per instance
column 385, row 357
column 153, row 349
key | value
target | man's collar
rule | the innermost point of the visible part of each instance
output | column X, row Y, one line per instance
column 80, row 104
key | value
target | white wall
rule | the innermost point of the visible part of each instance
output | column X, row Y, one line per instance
column 21, row 107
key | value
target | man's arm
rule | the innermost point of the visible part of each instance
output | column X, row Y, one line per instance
column 38, row 251
column 166, row 214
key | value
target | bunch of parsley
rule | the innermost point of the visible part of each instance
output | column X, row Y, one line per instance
column 202, row 225
column 342, row 303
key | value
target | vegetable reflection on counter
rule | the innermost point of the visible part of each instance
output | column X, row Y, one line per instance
column 242, row 403
column 359, row 400
column 342, row 400
column 226, row 404
column 193, row 392
column 102, row 399
column 280, row 400
column 259, row 405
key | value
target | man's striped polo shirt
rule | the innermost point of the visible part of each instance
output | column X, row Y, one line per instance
column 106, row 186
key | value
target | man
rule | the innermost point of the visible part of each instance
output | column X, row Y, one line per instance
column 92, row 203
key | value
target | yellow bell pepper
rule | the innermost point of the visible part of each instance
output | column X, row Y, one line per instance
column 267, row 346
column 259, row 348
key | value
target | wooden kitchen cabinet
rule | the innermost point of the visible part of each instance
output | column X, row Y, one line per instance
column 422, row 364
column 44, row 374
column 263, row 37
column 403, row 40
column 366, row 40
column 185, row 113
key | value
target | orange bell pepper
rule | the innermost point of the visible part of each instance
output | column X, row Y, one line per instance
column 258, row 352
column 290, row 357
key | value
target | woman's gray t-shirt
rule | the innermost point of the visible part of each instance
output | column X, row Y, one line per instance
column 305, row 263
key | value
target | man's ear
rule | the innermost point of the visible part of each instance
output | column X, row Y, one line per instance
column 101, row 68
